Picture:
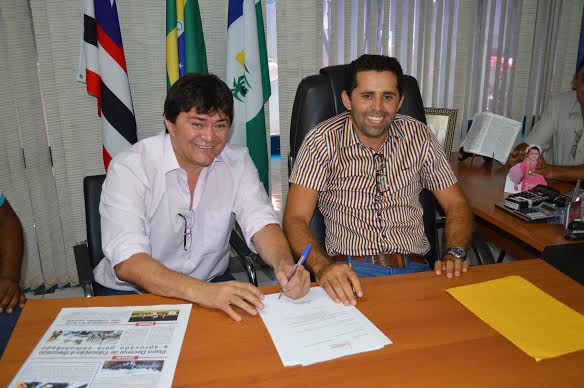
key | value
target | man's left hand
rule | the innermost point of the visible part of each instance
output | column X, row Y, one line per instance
column 451, row 266
column 10, row 295
column 297, row 286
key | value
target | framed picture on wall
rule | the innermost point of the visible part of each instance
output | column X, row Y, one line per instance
column 442, row 123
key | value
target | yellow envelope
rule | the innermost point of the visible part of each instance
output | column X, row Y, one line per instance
column 534, row 321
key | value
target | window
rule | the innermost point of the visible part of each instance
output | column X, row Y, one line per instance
column 420, row 34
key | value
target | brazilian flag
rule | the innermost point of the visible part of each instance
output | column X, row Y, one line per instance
column 185, row 43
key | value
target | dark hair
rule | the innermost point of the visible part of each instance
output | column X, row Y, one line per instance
column 367, row 62
column 205, row 92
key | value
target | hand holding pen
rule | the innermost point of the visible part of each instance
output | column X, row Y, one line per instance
column 300, row 262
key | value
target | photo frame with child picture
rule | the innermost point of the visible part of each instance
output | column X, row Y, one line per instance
column 523, row 175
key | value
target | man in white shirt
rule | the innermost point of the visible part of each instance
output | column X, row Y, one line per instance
column 169, row 203
column 559, row 133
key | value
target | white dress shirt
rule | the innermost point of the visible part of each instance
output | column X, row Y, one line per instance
column 145, row 191
column 556, row 131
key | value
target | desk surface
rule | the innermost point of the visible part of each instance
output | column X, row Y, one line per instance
column 437, row 341
column 483, row 186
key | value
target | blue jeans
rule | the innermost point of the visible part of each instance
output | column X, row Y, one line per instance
column 105, row 291
column 369, row 270
column 7, row 324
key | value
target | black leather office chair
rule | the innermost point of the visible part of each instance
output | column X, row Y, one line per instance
column 88, row 257
column 318, row 98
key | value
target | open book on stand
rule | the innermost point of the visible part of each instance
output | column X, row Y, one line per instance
column 491, row 135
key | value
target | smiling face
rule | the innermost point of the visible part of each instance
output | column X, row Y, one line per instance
column 197, row 138
column 533, row 154
column 373, row 103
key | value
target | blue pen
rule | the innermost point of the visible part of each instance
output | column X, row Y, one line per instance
column 300, row 262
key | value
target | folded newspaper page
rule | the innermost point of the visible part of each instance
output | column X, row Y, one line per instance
column 132, row 346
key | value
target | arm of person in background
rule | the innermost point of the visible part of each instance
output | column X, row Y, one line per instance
column 559, row 173
column 548, row 171
column 339, row 280
column 458, row 229
column 11, row 250
column 541, row 134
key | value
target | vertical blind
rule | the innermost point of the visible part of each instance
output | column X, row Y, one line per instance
column 489, row 87
column 27, row 175
column 420, row 34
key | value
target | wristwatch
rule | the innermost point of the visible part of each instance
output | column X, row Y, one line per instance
column 457, row 252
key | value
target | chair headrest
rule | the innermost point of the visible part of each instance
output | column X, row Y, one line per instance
column 318, row 98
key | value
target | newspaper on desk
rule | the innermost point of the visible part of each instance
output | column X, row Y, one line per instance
column 315, row 329
column 135, row 346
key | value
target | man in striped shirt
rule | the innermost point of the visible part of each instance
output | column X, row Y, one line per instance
column 365, row 168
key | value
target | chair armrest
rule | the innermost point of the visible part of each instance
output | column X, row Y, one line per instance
column 84, row 269
column 244, row 254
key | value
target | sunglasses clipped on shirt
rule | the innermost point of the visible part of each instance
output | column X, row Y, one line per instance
column 189, row 219
column 381, row 180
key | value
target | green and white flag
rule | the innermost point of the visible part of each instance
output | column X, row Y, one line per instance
column 248, row 78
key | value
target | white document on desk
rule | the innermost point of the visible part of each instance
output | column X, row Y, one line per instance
column 315, row 329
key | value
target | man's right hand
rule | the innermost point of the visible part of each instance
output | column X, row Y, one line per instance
column 340, row 282
column 10, row 295
column 224, row 295
column 517, row 155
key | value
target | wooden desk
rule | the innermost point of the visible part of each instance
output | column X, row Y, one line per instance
column 483, row 186
column 437, row 341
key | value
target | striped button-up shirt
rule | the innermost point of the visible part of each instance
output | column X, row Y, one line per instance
column 365, row 214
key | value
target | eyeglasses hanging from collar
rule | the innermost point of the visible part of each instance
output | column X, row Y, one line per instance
column 189, row 219
column 381, row 180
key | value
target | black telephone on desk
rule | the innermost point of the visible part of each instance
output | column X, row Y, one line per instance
column 535, row 205
column 534, row 197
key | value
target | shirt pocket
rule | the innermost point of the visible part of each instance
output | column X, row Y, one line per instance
column 404, row 178
column 214, row 227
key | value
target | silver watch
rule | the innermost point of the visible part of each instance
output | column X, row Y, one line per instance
column 457, row 252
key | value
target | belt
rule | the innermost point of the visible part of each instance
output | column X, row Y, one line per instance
column 390, row 260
